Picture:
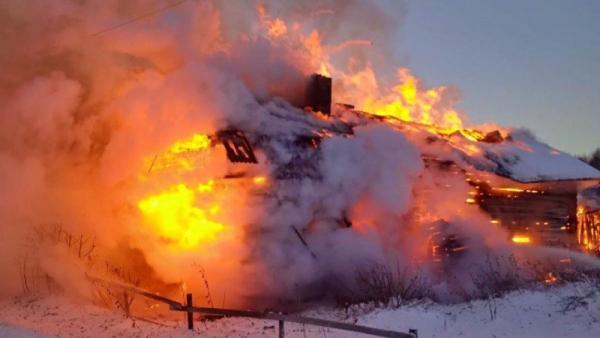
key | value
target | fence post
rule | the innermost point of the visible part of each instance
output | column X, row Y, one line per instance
column 190, row 314
column 281, row 329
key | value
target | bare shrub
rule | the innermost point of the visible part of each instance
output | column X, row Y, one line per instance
column 202, row 272
column 25, row 274
column 390, row 286
column 492, row 308
column 549, row 272
column 43, row 237
column 590, row 288
column 83, row 249
column 344, row 295
column 80, row 245
column 112, row 296
column 497, row 276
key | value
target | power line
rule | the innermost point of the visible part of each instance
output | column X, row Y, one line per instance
column 143, row 16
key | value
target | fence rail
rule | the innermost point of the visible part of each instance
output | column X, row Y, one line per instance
column 280, row 317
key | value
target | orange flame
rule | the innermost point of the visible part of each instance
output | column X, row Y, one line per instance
column 175, row 215
column 183, row 213
column 274, row 27
column 178, row 154
column 407, row 101
column 521, row 239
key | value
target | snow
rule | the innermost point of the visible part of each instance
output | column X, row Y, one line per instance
column 530, row 313
column 521, row 314
column 523, row 158
column 15, row 332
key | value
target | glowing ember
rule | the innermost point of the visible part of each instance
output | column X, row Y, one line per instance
column 550, row 279
column 259, row 180
column 470, row 201
column 508, row 189
column 521, row 239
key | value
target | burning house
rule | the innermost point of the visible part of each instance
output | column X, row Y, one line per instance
column 218, row 149
column 523, row 185
column 265, row 155
column 527, row 187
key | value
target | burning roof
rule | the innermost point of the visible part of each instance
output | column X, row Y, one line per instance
column 516, row 155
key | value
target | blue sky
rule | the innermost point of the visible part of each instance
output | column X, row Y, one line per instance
column 530, row 63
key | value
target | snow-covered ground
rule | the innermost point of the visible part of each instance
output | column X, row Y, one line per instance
column 520, row 314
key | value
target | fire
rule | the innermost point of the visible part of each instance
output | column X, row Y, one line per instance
column 521, row 239
column 407, row 101
column 588, row 229
column 277, row 28
column 178, row 154
column 176, row 216
column 324, row 70
column 550, row 278
column 183, row 213
column 470, row 200
column 196, row 142
column 508, row 189
column 259, row 180
column 274, row 27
